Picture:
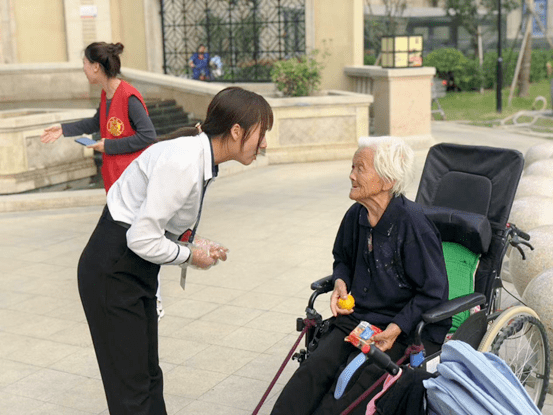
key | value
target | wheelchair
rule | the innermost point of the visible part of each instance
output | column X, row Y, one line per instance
column 467, row 192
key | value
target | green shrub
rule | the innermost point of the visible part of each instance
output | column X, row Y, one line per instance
column 465, row 73
column 369, row 59
column 470, row 76
column 446, row 61
column 259, row 70
column 461, row 72
column 297, row 77
column 540, row 57
column 538, row 70
column 490, row 67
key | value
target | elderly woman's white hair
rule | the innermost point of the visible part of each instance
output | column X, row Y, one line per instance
column 393, row 160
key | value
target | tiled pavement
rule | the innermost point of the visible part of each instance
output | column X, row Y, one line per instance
column 224, row 337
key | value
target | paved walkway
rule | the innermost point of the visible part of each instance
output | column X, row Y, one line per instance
column 224, row 337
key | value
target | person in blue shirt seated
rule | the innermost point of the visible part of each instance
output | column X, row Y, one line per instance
column 199, row 62
column 388, row 255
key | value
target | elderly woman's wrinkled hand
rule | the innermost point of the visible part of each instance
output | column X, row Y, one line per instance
column 385, row 340
column 340, row 291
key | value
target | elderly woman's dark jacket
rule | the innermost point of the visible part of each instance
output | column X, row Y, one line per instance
column 394, row 270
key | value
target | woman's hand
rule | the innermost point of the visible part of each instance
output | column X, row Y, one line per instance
column 385, row 340
column 99, row 146
column 215, row 248
column 206, row 253
column 51, row 134
column 340, row 291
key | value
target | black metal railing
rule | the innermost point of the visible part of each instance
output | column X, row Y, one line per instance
column 247, row 36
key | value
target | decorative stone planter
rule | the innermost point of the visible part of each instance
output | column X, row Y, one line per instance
column 535, row 185
column 529, row 212
column 538, row 296
column 315, row 128
column 542, row 168
column 538, row 152
column 27, row 164
column 537, row 260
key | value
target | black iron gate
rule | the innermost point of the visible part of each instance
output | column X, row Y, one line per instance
column 243, row 37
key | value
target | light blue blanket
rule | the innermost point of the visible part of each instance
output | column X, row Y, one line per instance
column 475, row 383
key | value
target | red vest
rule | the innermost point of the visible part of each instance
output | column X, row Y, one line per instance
column 114, row 126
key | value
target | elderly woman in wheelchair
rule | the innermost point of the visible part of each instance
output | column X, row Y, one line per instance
column 388, row 255
column 393, row 256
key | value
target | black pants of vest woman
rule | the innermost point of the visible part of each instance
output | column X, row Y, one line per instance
column 118, row 293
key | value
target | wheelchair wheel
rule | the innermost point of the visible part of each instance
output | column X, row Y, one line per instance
column 519, row 338
column 501, row 321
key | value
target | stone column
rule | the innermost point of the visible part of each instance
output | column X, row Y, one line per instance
column 402, row 101
column 339, row 31
column 154, row 38
column 83, row 26
column 8, row 47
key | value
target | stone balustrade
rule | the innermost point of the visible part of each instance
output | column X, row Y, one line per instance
column 315, row 128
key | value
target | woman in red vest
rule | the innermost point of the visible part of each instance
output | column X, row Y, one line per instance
column 122, row 117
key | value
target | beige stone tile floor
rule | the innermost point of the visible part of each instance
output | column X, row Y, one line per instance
column 224, row 337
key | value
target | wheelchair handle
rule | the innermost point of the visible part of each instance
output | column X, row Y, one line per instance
column 382, row 360
column 523, row 234
column 516, row 231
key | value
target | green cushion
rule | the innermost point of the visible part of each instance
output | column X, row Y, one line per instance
column 460, row 264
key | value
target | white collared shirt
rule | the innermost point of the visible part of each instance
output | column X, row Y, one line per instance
column 159, row 193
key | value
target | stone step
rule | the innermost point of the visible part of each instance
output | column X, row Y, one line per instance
column 163, row 131
column 166, row 110
column 172, row 117
column 167, row 116
column 158, row 103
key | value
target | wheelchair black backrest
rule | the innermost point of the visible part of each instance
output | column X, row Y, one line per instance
column 478, row 180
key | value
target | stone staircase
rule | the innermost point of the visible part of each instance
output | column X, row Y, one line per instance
column 167, row 116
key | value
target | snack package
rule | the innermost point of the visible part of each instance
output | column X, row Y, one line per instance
column 361, row 336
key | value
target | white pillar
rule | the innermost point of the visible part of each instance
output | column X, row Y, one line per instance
column 8, row 45
column 86, row 22
column 338, row 31
column 154, row 37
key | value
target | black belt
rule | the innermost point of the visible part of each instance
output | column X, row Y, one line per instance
column 110, row 218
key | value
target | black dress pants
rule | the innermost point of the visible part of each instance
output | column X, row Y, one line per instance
column 310, row 390
column 118, row 293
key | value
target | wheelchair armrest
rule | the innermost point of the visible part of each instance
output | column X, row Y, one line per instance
column 452, row 307
column 448, row 309
column 323, row 285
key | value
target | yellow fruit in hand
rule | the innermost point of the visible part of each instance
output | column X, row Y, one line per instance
column 346, row 304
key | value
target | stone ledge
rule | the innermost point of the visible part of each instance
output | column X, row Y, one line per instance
column 34, row 179
column 302, row 154
column 330, row 97
column 52, row 200
column 93, row 197
column 40, row 68
column 377, row 71
column 172, row 82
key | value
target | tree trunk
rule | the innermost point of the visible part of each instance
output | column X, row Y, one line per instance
column 524, row 77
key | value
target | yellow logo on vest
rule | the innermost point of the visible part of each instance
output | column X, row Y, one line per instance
column 115, row 126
